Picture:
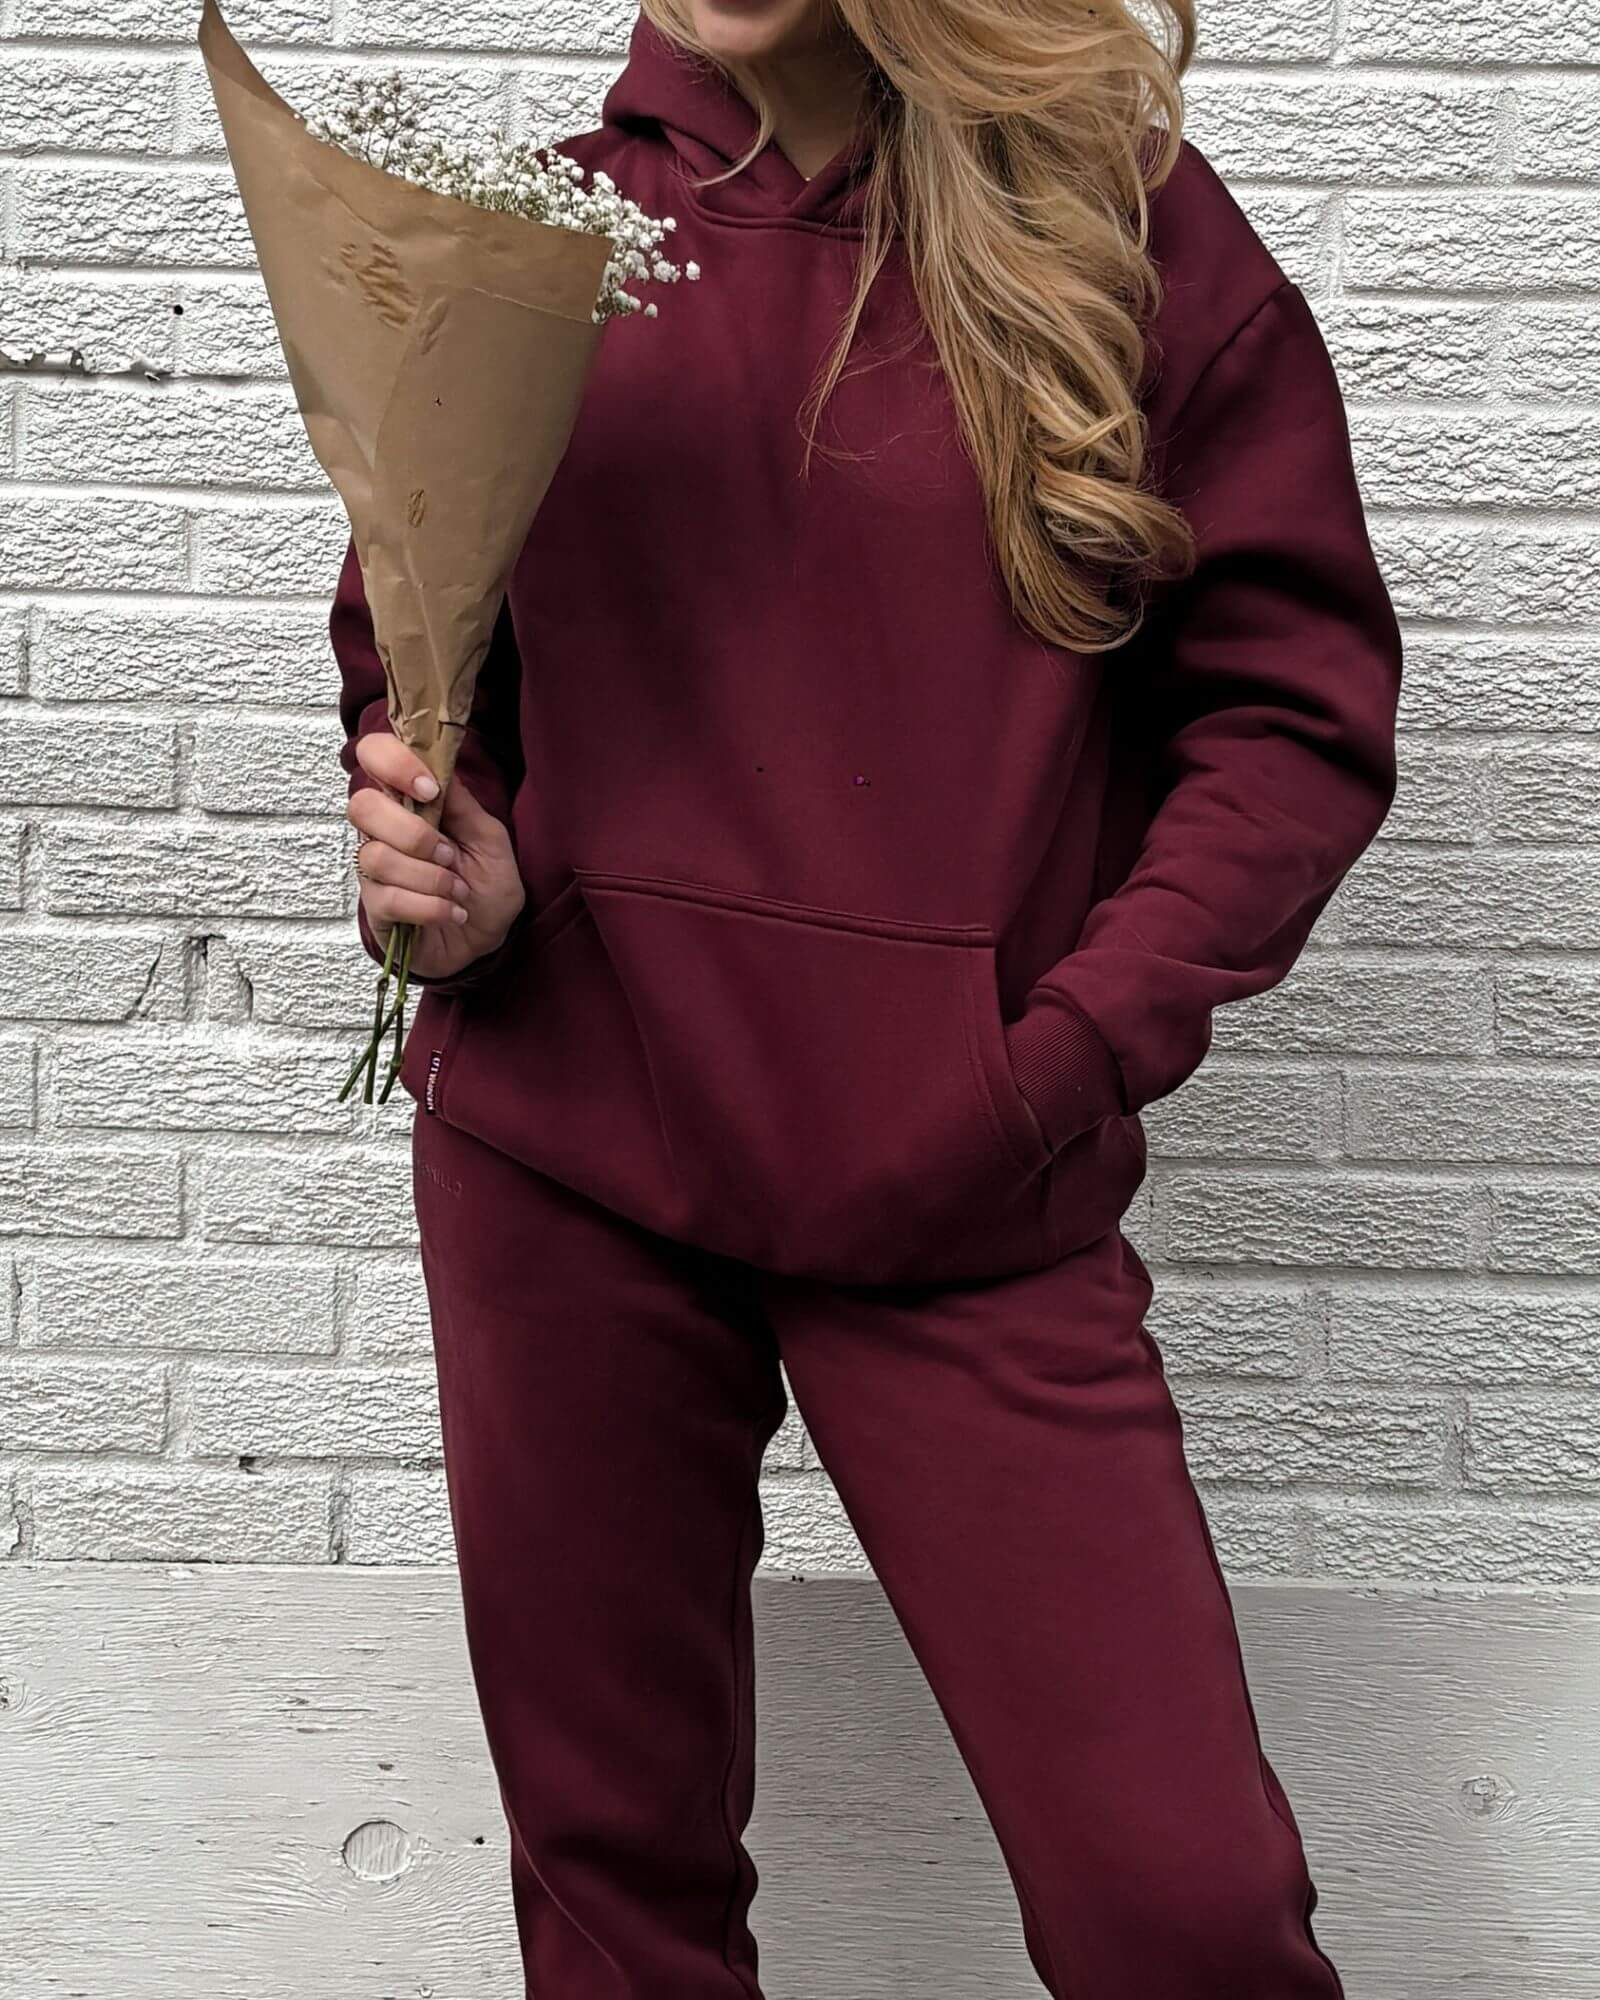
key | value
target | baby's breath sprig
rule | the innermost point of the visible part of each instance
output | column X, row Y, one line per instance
column 380, row 120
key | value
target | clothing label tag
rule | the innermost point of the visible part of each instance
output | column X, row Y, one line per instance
column 434, row 1061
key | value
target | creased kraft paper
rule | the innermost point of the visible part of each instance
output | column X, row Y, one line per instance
column 439, row 354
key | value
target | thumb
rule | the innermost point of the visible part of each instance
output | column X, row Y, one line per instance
column 470, row 822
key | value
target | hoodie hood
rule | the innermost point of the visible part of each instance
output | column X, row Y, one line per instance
column 670, row 94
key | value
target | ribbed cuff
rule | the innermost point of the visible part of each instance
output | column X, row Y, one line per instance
column 1065, row 1069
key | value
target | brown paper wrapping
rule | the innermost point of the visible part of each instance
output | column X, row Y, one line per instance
column 439, row 354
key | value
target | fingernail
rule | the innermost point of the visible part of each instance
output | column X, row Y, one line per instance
column 459, row 914
column 444, row 854
column 459, row 890
column 425, row 787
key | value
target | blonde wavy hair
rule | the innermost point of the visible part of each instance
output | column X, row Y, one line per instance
column 1014, row 145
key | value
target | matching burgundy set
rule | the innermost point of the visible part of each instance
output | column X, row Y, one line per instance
column 862, row 926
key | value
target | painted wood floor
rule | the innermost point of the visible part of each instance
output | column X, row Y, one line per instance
column 260, row 1784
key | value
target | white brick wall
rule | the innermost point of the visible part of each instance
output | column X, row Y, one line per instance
column 1375, row 1216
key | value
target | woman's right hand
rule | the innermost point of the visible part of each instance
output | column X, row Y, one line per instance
column 458, row 883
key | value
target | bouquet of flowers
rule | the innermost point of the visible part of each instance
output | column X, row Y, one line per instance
column 440, row 310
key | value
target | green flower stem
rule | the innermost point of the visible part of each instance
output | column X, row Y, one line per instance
column 396, row 969
column 399, row 1015
column 381, row 1017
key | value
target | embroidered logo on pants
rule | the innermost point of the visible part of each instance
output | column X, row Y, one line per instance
column 449, row 1182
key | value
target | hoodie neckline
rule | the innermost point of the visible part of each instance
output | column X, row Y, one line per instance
column 710, row 124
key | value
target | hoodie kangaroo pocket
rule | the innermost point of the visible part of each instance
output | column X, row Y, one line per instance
column 834, row 1091
column 545, row 1064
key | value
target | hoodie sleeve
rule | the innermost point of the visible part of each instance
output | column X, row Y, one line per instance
column 1273, row 683
column 492, row 775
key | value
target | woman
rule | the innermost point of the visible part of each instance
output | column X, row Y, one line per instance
column 950, row 664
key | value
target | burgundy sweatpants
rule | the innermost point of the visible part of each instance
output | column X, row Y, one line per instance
column 1011, row 1459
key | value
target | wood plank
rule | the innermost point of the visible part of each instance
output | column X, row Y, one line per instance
column 263, row 1784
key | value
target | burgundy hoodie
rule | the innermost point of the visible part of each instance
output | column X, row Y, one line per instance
column 861, row 924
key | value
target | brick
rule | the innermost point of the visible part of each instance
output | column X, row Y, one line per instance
column 807, row 1532
column 18, row 1093
column 1346, row 132
column 555, row 105
column 109, row 323
column 1241, row 1113
column 1399, row 348
column 168, row 20
column 166, row 1081
column 62, row 1191
column 158, row 1514
column 1442, row 795
column 388, row 1318
column 560, row 27
column 319, row 1413
column 1541, row 575
column 1255, row 1535
column 275, row 657
column 210, row 1305
column 67, row 976
column 1457, row 1545
column 1329, row 1437
column 296, row 984
column 130, row 216
column 1529, row 458
column 11, row 831
column 1557, row 131
column 1550, row 1226
column 1466, row 241
column 1551, row 351
column 70, row 760
column 13, row 649
column 122, row 544
column 1241, row 31
column 249, row 766
column 1251, row 1330
column 80, row 1406
column 1528, row 1444
column 177, row 435
column 18, row 1096
column 1470, row 31
column 458, row 101
column 1315, row 1220
column 1465, row 1336
column 226, row 328
column 1334, row 1003
column 1547, row 1010
column 1494, row 681
column 1532, row 900
column 1551, row 794
column 790, row 1449
column 278, row 551
column 353, row 1196
column 400, row 1517
column 1432, row 571
column 198, row 870
column 1475, row 1114
column 221, row 993
column 57, row 103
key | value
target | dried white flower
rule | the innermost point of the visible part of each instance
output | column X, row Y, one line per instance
column 379, row 119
